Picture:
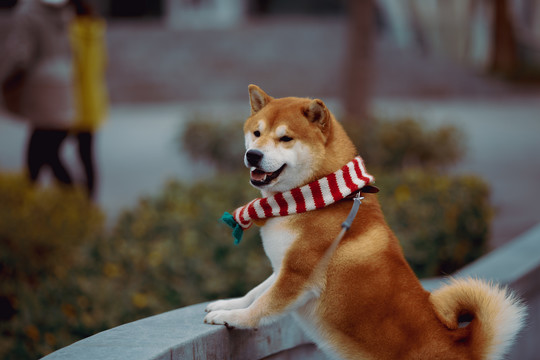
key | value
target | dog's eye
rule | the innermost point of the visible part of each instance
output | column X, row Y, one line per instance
column 257, row 133
column 285, row 138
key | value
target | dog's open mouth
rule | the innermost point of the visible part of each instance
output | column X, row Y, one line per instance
column 261, row 178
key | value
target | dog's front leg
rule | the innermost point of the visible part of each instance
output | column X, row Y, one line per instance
column 244, row 301
column 282, row 296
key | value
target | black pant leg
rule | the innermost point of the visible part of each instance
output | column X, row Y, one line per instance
column 35, row 157
column 86, row 153
column 56, row 138
column 44, row 149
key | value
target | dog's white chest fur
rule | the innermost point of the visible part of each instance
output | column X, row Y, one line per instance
column 277, row 237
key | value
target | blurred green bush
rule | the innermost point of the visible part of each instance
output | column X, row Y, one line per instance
column 63, row 276
column 44, row 224
column 388, row 145
column 398, row 144
column 441, row 221
column 203, row 139
column 42, row 232
column 176, row 241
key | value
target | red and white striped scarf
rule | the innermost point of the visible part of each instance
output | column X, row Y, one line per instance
column 315, row 195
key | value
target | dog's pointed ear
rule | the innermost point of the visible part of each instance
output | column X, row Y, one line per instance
column 317, row 112
column 257, row 98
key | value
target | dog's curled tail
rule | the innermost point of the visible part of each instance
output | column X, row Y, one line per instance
column 496, row 315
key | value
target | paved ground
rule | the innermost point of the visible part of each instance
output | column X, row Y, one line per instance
column 291, row 56
column 159, row 79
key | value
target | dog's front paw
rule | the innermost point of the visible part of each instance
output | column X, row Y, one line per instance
column 229, row 304
column 231, row 319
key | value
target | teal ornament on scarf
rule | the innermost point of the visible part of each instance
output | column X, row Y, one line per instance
column 238, row 232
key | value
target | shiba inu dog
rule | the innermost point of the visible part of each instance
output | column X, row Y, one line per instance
column 358, row 298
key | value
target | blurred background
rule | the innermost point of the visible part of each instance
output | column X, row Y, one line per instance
column 441, row 98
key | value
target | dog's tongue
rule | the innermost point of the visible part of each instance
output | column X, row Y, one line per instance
column 258, row 175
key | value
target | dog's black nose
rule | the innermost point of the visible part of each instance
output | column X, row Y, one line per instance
column 254, row 157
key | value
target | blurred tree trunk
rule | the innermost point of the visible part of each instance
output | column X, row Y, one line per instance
column 504, row 58
column 359, row 60
column 413, row 15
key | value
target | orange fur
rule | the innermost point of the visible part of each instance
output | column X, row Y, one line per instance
column 365, row 302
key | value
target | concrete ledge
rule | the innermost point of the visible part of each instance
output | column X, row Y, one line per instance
column 181, row 333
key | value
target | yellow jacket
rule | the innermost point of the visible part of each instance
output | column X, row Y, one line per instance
column 87, row 35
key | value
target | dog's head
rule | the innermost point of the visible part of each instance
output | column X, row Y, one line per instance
column 288, row 141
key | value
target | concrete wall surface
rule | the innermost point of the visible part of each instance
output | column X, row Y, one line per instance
column 181, row 333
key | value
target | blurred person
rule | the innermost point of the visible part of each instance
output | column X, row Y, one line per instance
column 38, row 49
column 87, row 35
